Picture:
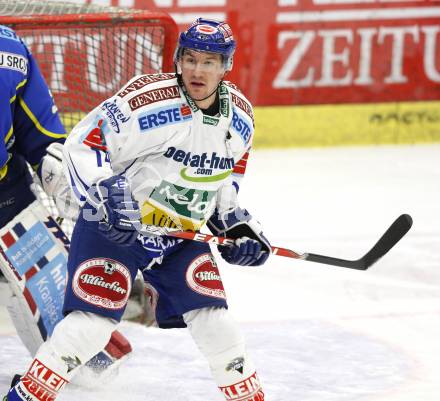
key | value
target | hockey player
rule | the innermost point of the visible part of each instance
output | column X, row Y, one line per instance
column 31, row 134
column 29, row 124
column 168, row 150
column 30, row 128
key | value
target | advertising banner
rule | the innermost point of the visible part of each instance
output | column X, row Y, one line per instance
column 327, row 51
column 326, row 72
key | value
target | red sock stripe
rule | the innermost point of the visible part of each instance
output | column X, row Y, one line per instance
column 120, row 341
column 114, row 351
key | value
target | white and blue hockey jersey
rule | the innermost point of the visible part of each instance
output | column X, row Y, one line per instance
column 181, row 164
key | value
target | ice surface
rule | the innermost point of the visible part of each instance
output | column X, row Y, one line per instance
column 317, row 333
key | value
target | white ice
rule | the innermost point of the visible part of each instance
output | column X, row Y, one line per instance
column 317, row 333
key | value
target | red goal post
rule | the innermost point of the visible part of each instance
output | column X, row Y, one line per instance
column 88, row 52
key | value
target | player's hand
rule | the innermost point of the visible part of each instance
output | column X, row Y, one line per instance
column 122, row 216
column 245, row 252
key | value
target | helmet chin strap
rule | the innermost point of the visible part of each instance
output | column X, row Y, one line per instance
column 207, row 97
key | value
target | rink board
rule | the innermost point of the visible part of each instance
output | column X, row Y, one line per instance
column 341, row 124
column 347, row 124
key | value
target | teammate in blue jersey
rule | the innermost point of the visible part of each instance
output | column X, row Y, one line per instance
column 29, row 123
column 167, row 150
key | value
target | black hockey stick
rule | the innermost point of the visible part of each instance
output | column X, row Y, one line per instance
column 391, row 237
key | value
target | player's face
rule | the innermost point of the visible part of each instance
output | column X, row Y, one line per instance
column 201, row 74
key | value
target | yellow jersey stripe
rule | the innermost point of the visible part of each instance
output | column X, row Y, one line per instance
column 12, row 99
column 9, row 134
column 3, row 171
column 37, row 123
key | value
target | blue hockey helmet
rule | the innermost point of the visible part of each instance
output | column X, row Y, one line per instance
column 206, row 35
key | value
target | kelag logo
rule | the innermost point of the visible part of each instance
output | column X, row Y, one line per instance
column 186, row 202
column 202, row 165
column 163, row 116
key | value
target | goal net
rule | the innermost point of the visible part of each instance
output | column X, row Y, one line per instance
column 87, row 52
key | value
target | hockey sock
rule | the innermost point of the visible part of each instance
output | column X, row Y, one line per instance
column 76, row 338
column 219, row 339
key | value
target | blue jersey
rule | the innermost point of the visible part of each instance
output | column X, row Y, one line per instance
column 29, row 120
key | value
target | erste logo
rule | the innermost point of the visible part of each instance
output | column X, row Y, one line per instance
column 163, row 116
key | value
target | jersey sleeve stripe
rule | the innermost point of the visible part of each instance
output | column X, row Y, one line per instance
column 240, row 167
column 9, row 134
column 37, row 123
column 12, row 99
column 75, row 189
column 79, row 190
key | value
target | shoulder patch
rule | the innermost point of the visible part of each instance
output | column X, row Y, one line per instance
column 114, row 115
column 241, row 125
column 13, row 61
column 94, row 138
column 243, row 104
column 153, row 96
column 143, row 81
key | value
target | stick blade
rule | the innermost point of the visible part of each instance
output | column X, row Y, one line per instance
column 390, row 238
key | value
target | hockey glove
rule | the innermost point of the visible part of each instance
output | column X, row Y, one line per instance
column 121, row 215
column 251, row 247
column 51, row 174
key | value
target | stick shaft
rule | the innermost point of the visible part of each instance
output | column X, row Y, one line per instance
column 394, row 233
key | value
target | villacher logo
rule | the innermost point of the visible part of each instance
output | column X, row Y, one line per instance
column 203, row 277
column 94, row 284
